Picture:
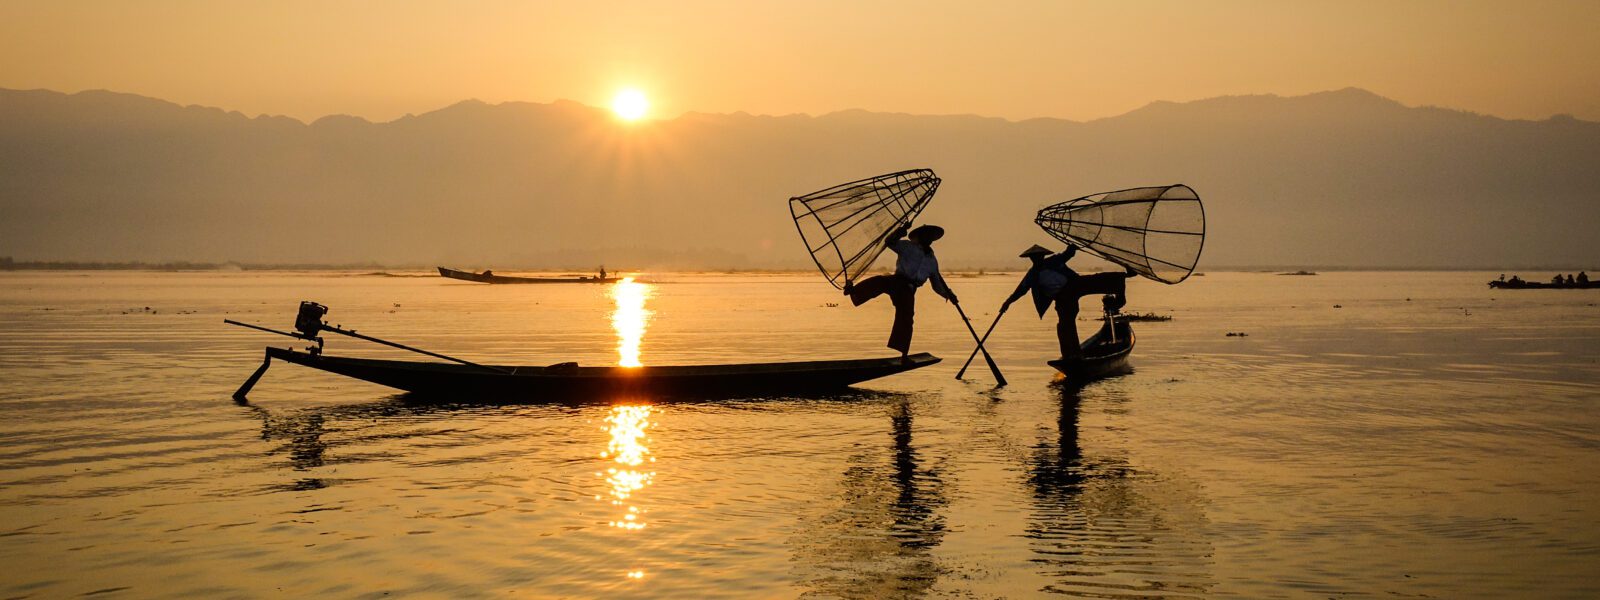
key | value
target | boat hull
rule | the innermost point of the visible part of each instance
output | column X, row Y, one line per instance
column 481, row 278
column 1535, row 285
column 1104, row 354
column 575, row 384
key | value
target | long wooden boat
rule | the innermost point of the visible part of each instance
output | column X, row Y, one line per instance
column 564, row 383
column 1519, row 284
column 491, row 278
column 1104, row 354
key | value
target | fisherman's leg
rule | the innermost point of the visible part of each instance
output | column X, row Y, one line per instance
column 905, row 309
column 870, row 288
column 1067, row 324
column 1110, row 284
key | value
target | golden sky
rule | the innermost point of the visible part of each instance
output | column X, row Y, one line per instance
column 1018, row 60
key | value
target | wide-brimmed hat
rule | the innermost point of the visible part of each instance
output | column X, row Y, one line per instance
column 1036, row 250
column 928, row 233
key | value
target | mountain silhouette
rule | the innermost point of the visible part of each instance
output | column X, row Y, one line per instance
column 1339, row 178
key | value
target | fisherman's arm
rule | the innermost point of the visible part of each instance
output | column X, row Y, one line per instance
column 939, row 286
column 898, row 234
column 1023, row 286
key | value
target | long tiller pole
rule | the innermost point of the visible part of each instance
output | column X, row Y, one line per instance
column 369, row 338
column 963, row 371
column 1000, row 380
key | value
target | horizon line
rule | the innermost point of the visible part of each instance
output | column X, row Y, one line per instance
column 693, row 113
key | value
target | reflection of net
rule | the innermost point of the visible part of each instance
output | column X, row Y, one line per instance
column 1156, row 231
column 844, row 226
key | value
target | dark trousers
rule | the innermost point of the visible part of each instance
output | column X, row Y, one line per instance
column 904, row 296
column 1067, row 305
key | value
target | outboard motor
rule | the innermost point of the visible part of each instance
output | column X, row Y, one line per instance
column 309, row 321
column 1112, row 303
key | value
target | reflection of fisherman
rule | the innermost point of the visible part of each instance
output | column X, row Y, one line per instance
column 1051, row 280
column 916, row 265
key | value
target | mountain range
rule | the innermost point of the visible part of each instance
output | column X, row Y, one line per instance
column 1340, row 178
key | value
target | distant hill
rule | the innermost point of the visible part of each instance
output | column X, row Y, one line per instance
column 1334, row 178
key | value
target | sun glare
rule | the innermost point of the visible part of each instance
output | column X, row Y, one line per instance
column 630, row 104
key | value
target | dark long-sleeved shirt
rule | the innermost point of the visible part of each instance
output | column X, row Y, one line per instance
column 1045, row 279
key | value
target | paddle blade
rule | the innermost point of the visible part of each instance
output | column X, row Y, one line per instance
column 1156, row 231
column 844, row 226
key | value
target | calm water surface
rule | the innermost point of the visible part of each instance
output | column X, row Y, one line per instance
column 1374, row 435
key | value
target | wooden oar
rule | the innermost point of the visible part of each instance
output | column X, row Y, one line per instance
column 963, row 371
column 1000, row 380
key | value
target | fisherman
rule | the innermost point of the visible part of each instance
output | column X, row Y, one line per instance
column 916, row 265
column 602, row 271
column 1583, row 278
column 1051, row 280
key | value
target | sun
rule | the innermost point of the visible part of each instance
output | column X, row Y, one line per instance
column 630, row 104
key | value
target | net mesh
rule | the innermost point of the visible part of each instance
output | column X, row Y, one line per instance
column 1156, row 231
column 844, row 226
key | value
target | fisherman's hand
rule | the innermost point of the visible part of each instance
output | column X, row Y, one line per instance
column 951, row 298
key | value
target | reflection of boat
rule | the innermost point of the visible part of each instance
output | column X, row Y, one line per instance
column 753, row 378
column 487, row 277
column 879, row 538
column 1105, row 353
column 1102, row 528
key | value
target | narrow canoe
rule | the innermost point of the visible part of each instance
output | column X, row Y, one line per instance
column 482, row 278
column 572, row 383
column 1104, row 354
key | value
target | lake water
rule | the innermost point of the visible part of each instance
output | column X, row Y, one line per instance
column 1374, row 435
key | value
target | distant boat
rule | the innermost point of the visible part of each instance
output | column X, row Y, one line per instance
column 487, row 277
column 1104, row 354
column 572, row 383
column 1518, row 284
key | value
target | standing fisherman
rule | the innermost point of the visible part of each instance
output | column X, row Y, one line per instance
column 916, row 265
column 1051, row 280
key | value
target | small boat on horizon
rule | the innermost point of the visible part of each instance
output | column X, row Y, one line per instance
column 489, row 277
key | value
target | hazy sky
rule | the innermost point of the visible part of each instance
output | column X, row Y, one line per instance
column 1076, row 60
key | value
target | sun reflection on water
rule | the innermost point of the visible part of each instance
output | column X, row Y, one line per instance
column 629, row 319
column 628, row 452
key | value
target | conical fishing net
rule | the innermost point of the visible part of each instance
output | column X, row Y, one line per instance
column 1156, row 231
column 844, row 226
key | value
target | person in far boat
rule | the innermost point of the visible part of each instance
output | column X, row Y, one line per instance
column 602, row 271
column 1558, row 280
column 1502, row 277
column 488, row 273
column 1515, row 280
column 915, row 266
column 1583, row 278
column 1051, row 280
column 1570, row 280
